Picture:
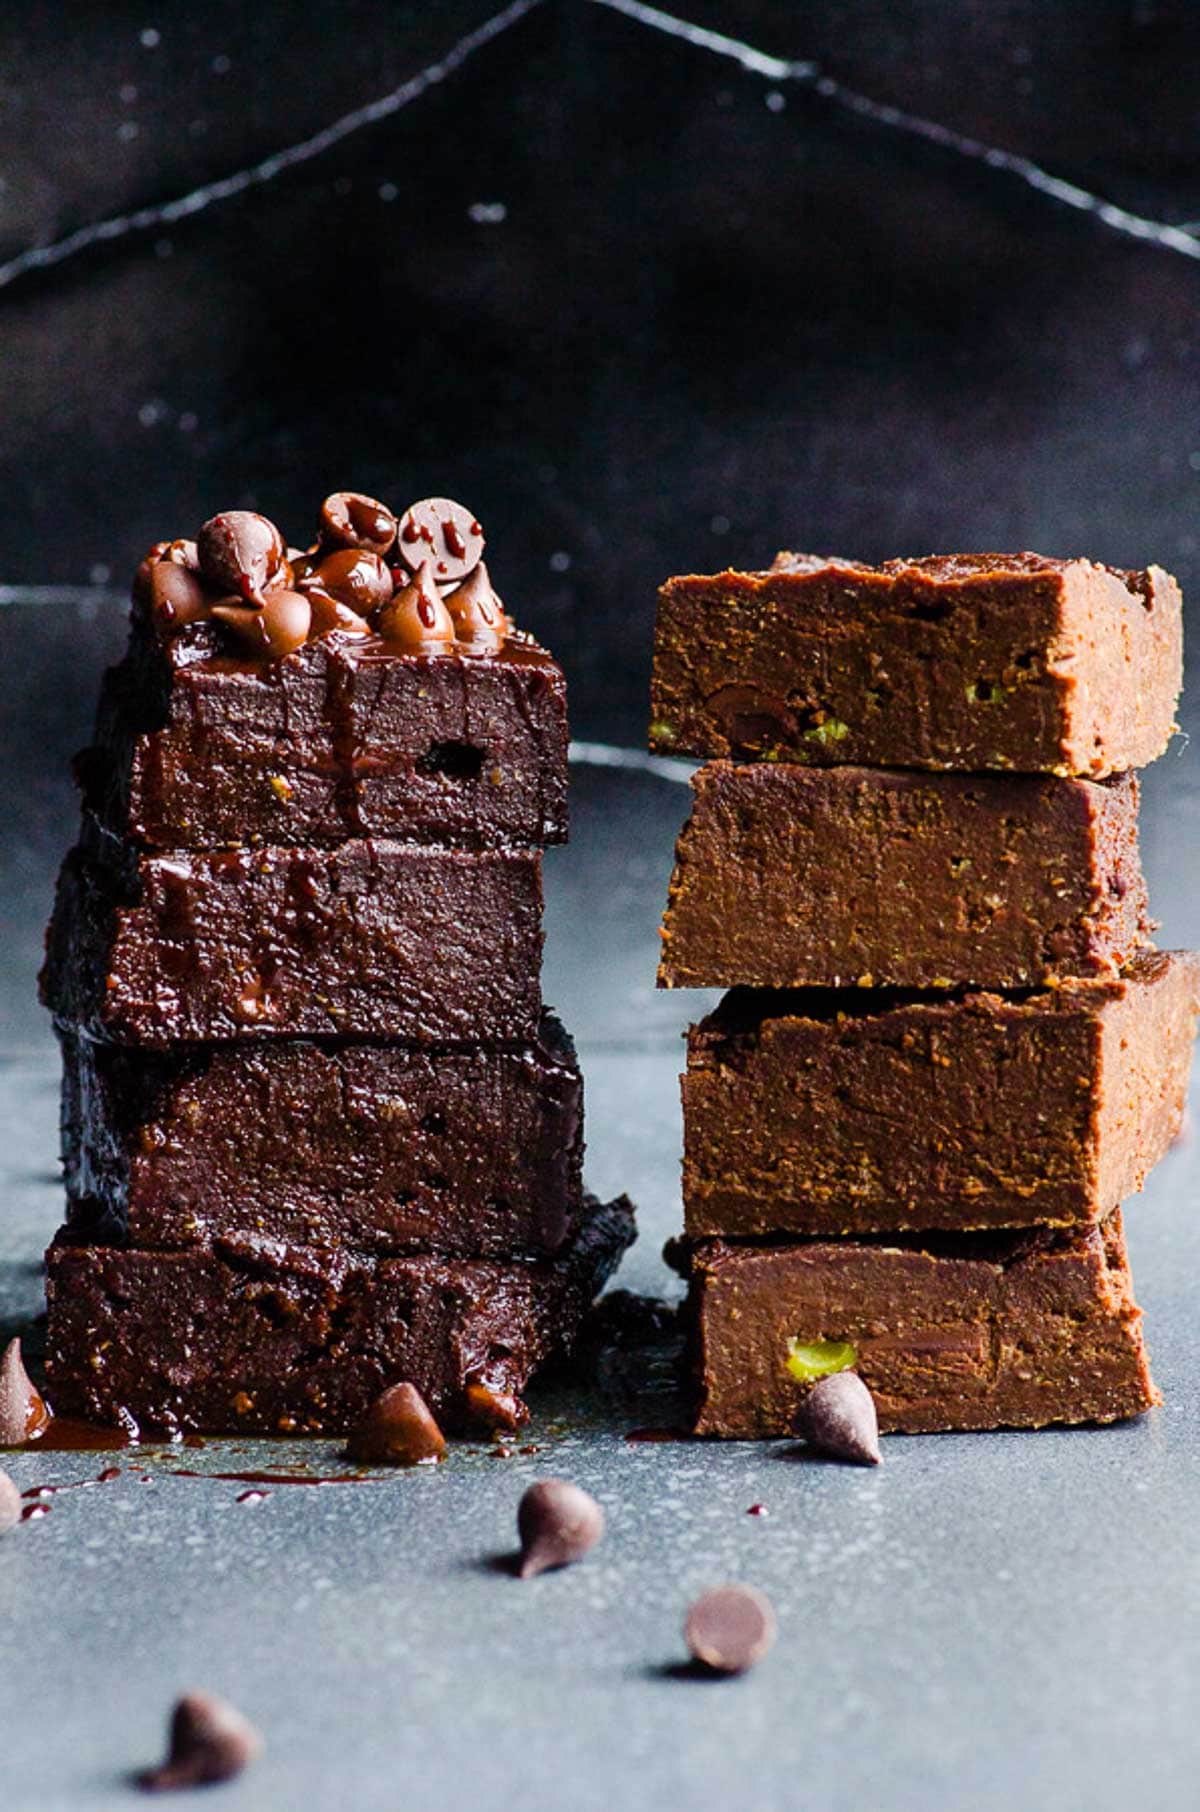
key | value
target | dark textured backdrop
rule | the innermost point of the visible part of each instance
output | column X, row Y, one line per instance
column 645, row 304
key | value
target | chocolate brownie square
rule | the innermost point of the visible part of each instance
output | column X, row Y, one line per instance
column 963, row 661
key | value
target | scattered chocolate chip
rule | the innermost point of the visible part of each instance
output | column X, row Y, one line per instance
column 10, row 1504
column 730, row 1628
column 445, row 534
column 558, row 1523
column 244, row 553
column 477, row 612
column 209, row 1741
column 23, row 1412
column 351, row 519
column 355, row 577
column 280, row 627
column 837, row 1416
column 397, row 1430
column 329, row 613
column 498, row 1411
column 416, row 617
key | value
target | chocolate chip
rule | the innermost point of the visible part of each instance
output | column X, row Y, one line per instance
column 209, row 1741
column 477, row 612
column 752, row 718
column 397, row 1430
column 176, row 595
column 302, row 561
column 176, row 553
column 329, row 613
column 181, row 556
column 498, row 1411
column 244, row 553
column 445, row 534
column 416, row 617
column 730, row 1628
column 280, row 627
column 351, row 519
column 558, row 1523
column 355, row 577
column 837, row 1416
column 141, row 578
column 10, row 1504
column 23, row 1412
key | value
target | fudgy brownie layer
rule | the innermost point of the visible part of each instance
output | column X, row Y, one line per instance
column 375, row 1147
column 965, row 1334
column 789, row 877
column 258, row 1336
column 844, row 1113
column 967, row 661
column 371, row 940
column 346, row 737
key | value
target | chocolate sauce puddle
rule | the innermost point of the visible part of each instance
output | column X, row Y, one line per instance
column 272, row 1478
column 63, row 1434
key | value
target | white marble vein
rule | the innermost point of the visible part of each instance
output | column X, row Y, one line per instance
column 1182, row 240
column 120, row 226
column 89, row 596
column 776, row 69
column 611, row 755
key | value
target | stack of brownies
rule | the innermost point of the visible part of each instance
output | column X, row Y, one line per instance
column 950, row 1050
column 319, row 1134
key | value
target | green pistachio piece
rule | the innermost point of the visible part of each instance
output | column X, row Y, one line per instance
column 662, row 733
column 811, row 1359
column 832, row 730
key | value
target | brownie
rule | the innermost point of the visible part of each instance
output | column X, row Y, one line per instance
column 840, row 1113
column 989, row 1331
column 967, row 661
column 252, row 1335
column 792, row 877
column 373, row 939
column 349, row 736
column 374, row 1147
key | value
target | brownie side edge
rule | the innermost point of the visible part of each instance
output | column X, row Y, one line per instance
column 372, row 1147
column 373, row 939
column 1050, row 1335
column 258, row 1337
column 329, row 744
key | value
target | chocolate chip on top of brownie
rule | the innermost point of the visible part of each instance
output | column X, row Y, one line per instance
column 416, row 580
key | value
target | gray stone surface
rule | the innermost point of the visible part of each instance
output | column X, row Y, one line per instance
column 986, row 1622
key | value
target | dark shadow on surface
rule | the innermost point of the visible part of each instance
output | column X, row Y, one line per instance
column 506, row 1563
column 685, row 1670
